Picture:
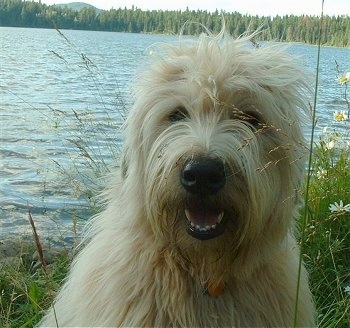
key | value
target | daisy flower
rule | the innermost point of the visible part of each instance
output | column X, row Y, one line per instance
column 345, row 78
column 347, row 289
column 339, row 207
column 321, row 174
column 330, row 145
column 340, row 115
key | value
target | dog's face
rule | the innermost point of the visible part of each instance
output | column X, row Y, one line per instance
column 214, row 142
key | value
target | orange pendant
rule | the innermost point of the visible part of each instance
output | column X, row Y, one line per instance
column 215, row 290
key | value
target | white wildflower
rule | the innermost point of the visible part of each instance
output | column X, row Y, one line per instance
column 345, row 78
column 321, row 174
column 347, row 289
column 330, row 145
column 340, row 115
column 339, row 207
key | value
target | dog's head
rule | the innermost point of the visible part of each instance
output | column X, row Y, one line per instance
column 214, row 143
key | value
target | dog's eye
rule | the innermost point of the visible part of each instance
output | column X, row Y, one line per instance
column 178, row 114
column 253, row 118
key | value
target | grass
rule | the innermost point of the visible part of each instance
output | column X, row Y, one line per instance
column 25, row 293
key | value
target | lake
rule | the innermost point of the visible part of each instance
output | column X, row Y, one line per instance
column 63, row 97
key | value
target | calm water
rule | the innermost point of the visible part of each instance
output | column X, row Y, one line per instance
column 62, row 101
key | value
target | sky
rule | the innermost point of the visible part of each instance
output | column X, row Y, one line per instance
column 252, row 7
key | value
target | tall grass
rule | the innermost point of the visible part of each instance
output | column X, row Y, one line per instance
column 88, row 164
column 25, row 293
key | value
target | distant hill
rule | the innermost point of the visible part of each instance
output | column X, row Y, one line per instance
column 81, row 16
column 78, row 6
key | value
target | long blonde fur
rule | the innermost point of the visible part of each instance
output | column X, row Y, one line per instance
column 140, row 267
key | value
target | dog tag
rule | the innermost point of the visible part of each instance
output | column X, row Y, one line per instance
column 215, row 290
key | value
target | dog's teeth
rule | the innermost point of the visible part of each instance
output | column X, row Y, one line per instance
column 203, row 228
column 188, row 216
column 221, row 215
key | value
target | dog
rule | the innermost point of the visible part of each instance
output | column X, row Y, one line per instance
column 198, row 227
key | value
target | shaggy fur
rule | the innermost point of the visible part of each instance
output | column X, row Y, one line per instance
column 212, row 105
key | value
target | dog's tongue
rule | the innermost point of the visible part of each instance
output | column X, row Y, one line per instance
column 204, row 217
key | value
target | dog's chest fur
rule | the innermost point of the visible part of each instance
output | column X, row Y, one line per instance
column 175, row 298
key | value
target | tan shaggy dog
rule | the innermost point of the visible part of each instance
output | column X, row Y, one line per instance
column 198, row 228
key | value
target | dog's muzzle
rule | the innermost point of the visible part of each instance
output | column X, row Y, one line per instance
column 203, row 178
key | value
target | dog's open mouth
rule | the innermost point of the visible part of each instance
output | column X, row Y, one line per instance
column 205, row 223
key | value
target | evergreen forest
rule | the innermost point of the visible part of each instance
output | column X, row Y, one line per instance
column 335, row 30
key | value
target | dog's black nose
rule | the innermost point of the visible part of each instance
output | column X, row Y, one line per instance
column 203, row 176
